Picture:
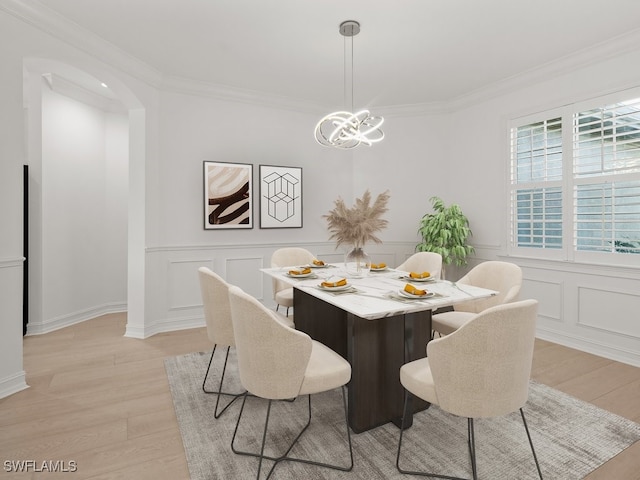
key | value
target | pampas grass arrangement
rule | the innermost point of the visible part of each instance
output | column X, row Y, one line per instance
column 356, row 225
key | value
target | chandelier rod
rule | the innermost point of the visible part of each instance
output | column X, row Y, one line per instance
column 344, row 129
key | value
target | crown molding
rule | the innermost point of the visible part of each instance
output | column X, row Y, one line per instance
column 412, row 110
column 606, row 50
column 227, row 93
column 38, row 15
column 43, row 18
column 72, row 90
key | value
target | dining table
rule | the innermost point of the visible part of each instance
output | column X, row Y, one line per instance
column 375, row 324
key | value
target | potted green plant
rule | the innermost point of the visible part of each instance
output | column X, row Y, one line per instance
column 446, row 232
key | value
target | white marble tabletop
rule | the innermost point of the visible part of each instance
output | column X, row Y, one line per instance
column 378, row 294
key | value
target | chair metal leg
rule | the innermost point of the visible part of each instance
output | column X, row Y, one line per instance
column 278, row 306
column 471, row 442
column 402, row 428
column 285, row 456
column 535, row 457
column 219, row 392
column 472, row 448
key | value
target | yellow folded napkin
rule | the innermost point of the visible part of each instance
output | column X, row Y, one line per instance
column 339, row 283
column 413, row 290
column 318, row 262
column 304, row 271
column 420, row 275
column 377, row 266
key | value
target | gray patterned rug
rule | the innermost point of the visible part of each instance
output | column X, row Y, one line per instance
column 571, row 437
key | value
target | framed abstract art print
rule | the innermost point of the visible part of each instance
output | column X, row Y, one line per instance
column 228, row 197
column 280, row 197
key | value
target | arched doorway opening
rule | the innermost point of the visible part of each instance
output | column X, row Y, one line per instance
column 52, row 307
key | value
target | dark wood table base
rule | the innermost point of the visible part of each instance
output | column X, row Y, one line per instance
column 376, row 349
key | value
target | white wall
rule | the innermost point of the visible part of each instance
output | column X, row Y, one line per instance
column 84, row 216
column 592, row 307
column 12, row 156
column 197, row 128
column 411, row 162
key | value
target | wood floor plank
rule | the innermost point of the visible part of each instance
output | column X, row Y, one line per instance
column 624, row 466
column 68, row 444
column 124, row 456
column 569, row 369
column 172, row 467
column 598, row 382
column 625, row 401
column 73, row 420
column 145, row 424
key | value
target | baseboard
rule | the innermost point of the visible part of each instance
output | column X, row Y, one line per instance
column 612, row 352
column 13, row 384
column 73, row 318
column 184, row 323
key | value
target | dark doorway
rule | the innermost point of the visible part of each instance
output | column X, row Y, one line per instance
column 25, row 249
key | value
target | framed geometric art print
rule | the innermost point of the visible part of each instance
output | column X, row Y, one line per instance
column 280, row 197
column 228, row 198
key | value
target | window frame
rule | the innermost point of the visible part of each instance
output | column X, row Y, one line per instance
column 568, row 251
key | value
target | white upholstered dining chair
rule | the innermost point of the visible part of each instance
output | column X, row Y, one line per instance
column 279, row 363
column 423, row 262
column 217, row 314
column 503, row 277
column 287, row 257
column 481, row 370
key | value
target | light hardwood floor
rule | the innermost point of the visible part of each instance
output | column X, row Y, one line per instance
column 103, row 401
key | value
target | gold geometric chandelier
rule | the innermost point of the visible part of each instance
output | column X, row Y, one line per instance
column 344, row 129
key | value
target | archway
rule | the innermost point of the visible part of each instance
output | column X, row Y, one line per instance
column 34, row 69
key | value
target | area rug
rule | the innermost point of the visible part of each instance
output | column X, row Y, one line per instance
column 571, row 437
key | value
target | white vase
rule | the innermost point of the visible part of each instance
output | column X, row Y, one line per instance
column 357, row 263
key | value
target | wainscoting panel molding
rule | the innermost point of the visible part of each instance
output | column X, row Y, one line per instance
column 551, row 292
column 609, row 310
column 184, row 284
column 586, row 306
column 245, row 273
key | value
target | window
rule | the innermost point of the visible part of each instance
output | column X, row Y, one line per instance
column 575, row 182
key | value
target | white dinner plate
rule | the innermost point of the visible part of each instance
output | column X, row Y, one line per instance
column 335, row 289
column 379, row 269
column 411, row 279
column 313, row 265
column 301, row 275
column 417, row 297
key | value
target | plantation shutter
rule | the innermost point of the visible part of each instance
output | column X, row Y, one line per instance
column 606, row 163
column 536, row 184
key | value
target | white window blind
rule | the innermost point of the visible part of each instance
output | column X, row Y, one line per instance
column 536, row 184
column 607, row 140
column 575, row 183
column 606, row 163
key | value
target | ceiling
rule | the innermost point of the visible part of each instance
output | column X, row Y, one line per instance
column 408, row 51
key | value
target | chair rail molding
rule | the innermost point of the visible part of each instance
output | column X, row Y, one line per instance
column 12, row 262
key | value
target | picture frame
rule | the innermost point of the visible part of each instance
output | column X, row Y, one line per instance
column 280, row 196
column 228, row 195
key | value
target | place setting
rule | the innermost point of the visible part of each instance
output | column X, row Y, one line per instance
column 336, row 285
column 424, row 277
column 300, row 273
column 411, row 293
column 378, row 267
